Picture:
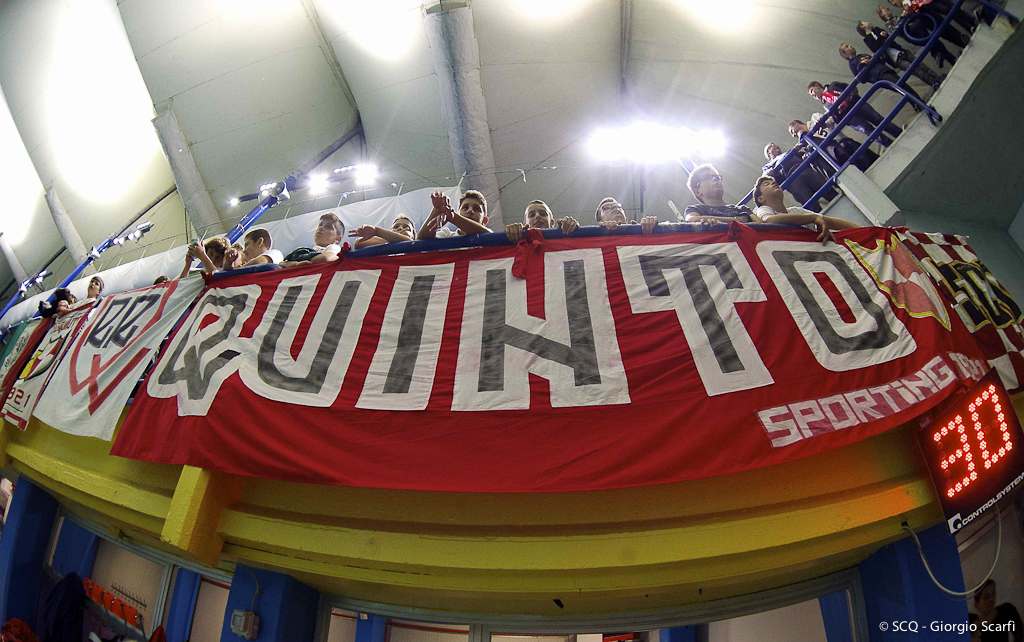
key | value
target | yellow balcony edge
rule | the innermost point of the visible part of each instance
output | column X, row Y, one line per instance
column 606, row 550
column 91, row 483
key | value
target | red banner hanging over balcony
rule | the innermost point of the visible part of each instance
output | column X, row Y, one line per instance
column 555, row 365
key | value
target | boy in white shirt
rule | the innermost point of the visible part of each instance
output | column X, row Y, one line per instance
column 256, row 250
column 771, row 208
column 327, row 239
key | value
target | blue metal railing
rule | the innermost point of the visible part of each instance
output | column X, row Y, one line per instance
column 817, row 149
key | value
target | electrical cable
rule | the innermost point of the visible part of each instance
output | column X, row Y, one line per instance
column 252, row 607
column 999, row 543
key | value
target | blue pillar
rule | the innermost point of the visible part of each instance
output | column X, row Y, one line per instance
column 897, row 588
column 178, row 627
column 372, row 629
column 287, row 607
column 23, row 549
column 680, row 634
column 835, row 612
column 75, row 550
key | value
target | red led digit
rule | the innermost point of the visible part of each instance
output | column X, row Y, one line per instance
column 959, row 428
column 990, row 394
column 963, row 451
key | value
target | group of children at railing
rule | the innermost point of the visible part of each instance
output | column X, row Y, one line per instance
column 893, row 62
column 329, row 237
column 705, row 183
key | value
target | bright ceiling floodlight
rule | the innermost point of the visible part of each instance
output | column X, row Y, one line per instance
column 366, row 174
column 723, row 16
column 385, row 29
column 107, row 130
column 651, row 143
column 550, row 12
column 234, row 201
column 709, row 144
column 318, row 183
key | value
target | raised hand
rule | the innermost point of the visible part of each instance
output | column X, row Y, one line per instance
column 568, row 225
column 365, row 232
column 825, row 234
column 514, row 232
column 648, row 223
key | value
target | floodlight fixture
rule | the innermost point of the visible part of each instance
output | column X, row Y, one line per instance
column 235, row 201
column 317, row 183
column 366, row 174
column 654, row 143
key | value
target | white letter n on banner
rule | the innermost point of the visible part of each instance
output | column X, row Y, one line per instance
column 574, row 347
column 402, row 372
column 702, row 283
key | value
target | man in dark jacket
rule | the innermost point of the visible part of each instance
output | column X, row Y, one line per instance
column 899, row 57
column 840, row 147
column 865, row 120
column 805, row 184
column 878, row 70
column 917, row 29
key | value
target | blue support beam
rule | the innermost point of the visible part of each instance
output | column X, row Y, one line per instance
column 23, row 549
column 178, row 627
column 835, row 612
column 680, row 634
column 898, row 591
column 75, row 550
column 287, row 608
column 372, row 629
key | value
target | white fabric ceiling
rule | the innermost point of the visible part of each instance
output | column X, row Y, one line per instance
column 261, row 86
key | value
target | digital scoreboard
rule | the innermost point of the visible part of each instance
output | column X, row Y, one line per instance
column 975, row 451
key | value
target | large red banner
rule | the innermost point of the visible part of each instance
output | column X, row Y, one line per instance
column 554, row 365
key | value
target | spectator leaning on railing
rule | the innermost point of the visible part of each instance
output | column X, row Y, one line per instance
column 327, row 239
column 402, row 229
column 937, row 9
column 875, row 38
column 805, row 184
column 841, row 147
column 538, row 216
column 865, row 120
column 771, row 208
column 470, row 219
column 878, row 70
column 706, row 185
column 610, row 215
column 257, row 249
column 917, row 29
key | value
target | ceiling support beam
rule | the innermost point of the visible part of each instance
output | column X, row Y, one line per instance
column 328, row 52
column 12, row 260
column 191, row 188
column 68, row 233
column 452, row 40
column 625, row 37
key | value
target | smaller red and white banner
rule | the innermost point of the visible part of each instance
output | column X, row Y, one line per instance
column 981, row 302
column 92, row 383
column 29, row 385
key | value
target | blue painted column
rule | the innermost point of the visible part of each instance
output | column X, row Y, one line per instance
column 897, row 588
column 835, row 612
column 75, row 550
column 679, row 634
column 23, row 549
column 372, row 629
column 178, row 627
column 287, row 607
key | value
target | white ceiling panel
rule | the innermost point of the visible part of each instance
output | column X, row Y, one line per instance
column 82, row 112
column 382, row 48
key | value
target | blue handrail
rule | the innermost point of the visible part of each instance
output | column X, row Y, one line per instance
column 818, row 148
